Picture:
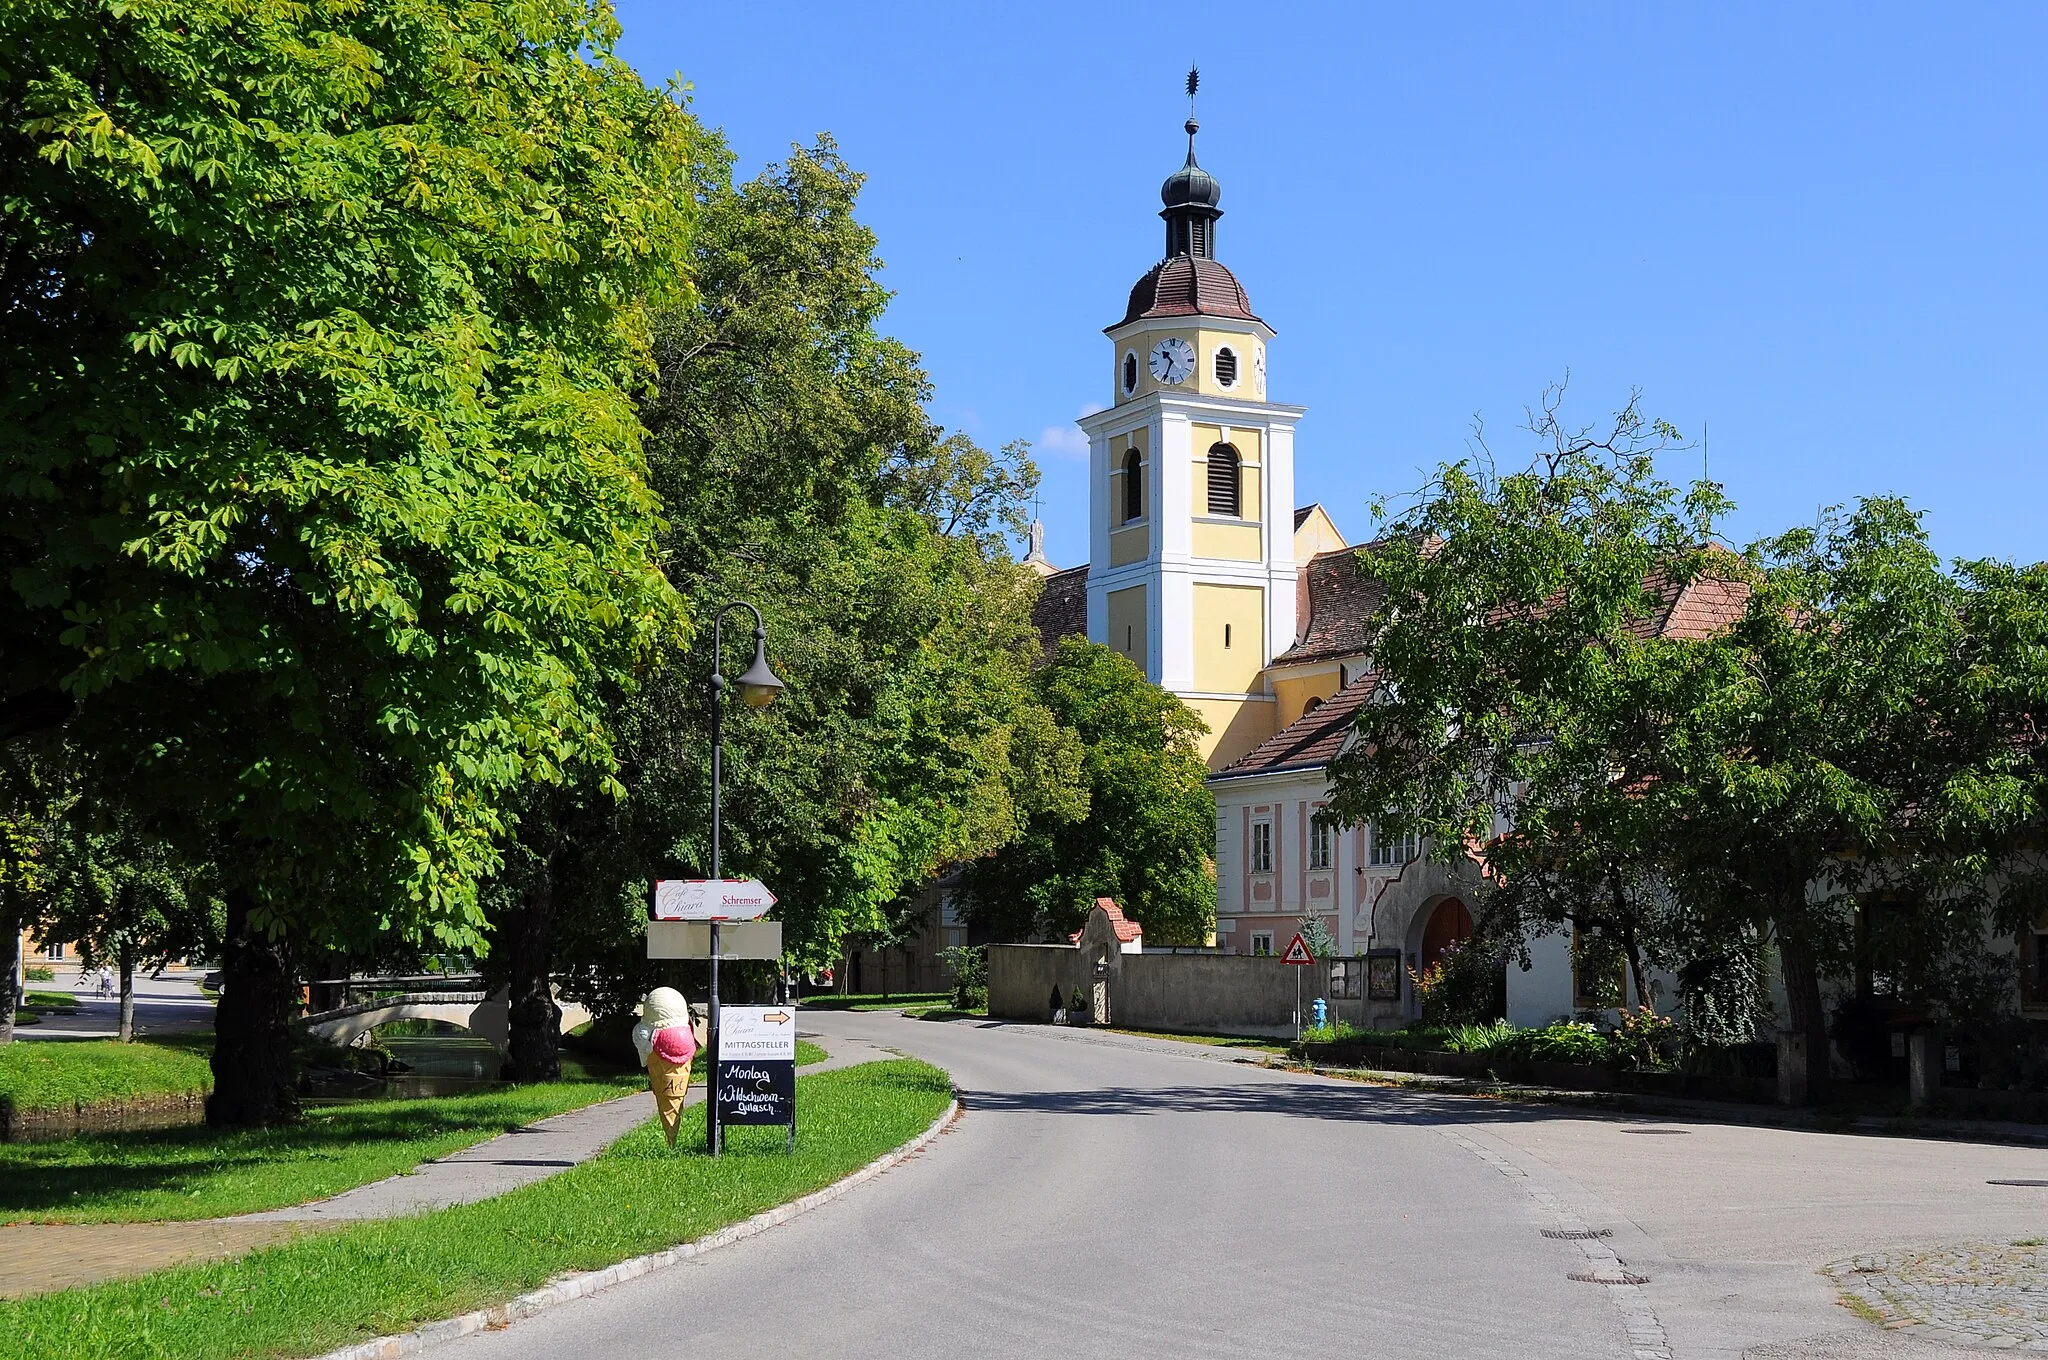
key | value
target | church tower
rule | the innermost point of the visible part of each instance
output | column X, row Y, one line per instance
column 1191, row 492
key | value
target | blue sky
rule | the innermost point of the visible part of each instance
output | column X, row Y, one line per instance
column 1816, row 231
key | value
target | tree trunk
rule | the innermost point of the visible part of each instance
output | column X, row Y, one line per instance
column 1809, row 1015
column 127, row 992
column 252, row 1046
column 535, row 1023
column 10, row 986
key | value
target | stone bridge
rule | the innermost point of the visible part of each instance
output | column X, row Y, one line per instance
column 484, row 1014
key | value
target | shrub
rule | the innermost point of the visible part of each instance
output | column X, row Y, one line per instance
column 970, row 975
column 41, row 974
column 1643, row 1039
column 1461, row 987
column 1567, row 1041
column 1480, row 1039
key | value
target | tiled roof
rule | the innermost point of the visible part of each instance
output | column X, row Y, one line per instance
column 1700, row 608
column 1341, row 600
column 1062, row 608
column 1127, row 930
column 1188, row 285
column 1309, row 741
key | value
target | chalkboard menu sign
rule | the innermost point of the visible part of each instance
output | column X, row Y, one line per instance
column 756, row 1081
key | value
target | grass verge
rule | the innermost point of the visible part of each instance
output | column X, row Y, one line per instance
column 198, row 1172
column 57, row 1076
column 325, row 1291
column 1213, row 1040
column 874, row 1001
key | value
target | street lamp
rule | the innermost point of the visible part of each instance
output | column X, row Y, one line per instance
column 758, row 687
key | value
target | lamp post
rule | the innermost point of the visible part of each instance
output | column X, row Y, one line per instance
column 757, row 686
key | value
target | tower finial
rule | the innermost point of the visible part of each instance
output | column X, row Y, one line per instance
column 1194, row 83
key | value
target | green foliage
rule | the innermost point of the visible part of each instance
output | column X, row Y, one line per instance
column 1837, row 721
column 1567, row 1041
column 1643, row 1040
column 1460, row 988
column 54, row 1076
column 970, row 975
column 332, row 1289
column 1485, row 1038
column 323, row 496
column 798, row 470
column 1145, row 832
column 41, row 974
column 123, row 894
column 1317, row 936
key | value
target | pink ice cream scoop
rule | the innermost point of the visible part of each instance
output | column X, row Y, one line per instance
column 676, row 1044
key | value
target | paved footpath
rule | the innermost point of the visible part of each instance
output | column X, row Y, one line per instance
column 1108, row 1194
column 38, row 1257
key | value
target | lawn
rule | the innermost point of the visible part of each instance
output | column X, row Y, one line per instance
column 835, row 1001
column 56, row 1076
column 198, row 1172
column 328, row 1290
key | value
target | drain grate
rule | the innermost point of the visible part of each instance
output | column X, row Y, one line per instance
column 1608, row 1277
column 1666, row 1131
column 2016, row 1182
column 1577, row 1234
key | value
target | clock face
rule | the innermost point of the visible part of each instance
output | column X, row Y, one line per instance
column 1173, row 361
column 1259, row 370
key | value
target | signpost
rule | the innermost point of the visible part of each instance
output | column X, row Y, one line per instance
column 711, row 899
column 754, row 1070
column 1298, row 954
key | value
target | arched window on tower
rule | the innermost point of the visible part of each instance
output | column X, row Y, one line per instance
column 1134, row 486
column 1225, row 478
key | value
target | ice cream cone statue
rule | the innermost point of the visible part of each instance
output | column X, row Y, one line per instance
column 667, row 1039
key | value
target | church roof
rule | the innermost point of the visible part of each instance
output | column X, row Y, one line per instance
column 1341, row 601
column 1188, row 285
column 1310, row 741
column 1062, row 608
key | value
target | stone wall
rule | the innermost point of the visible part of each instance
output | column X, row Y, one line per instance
column 1198, row 993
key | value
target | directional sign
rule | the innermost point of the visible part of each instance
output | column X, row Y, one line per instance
column 711, row 899
column 692, row 940
column 756, row 1032
column 756, row 1068
column 1297, row 951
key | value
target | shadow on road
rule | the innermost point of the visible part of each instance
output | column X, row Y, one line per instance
column 1363, row 1105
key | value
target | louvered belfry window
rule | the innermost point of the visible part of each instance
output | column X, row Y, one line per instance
column 1134, row 486
column 1224, row 480
column 1226, row 367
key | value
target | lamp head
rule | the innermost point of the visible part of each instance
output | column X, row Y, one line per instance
column 759, row 685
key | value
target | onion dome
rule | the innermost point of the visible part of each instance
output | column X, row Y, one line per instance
column 1188, row 285
column 1191, row 185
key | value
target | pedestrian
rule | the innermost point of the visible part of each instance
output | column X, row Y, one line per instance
column 106, row 980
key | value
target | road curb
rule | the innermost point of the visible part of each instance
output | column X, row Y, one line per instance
column 595, row 1281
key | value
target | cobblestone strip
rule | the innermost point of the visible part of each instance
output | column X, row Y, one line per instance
column 591, row 1282
column 1976, row 1294
column 1646, row 1336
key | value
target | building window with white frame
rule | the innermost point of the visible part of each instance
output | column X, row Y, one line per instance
column 1388, row 850
column 1321, row 837
column 1262, row 847
column 1262, row 943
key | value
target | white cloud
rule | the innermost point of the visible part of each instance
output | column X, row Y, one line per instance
column 1066, row 440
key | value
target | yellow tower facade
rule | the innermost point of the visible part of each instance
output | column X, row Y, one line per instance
column 1191, row 550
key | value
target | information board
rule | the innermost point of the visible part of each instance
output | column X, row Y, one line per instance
column 757, row 1065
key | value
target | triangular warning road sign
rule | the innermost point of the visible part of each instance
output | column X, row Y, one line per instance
column 1297, row 951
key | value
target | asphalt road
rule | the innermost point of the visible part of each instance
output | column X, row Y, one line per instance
column 1117, row 1196
column 171, row 1004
